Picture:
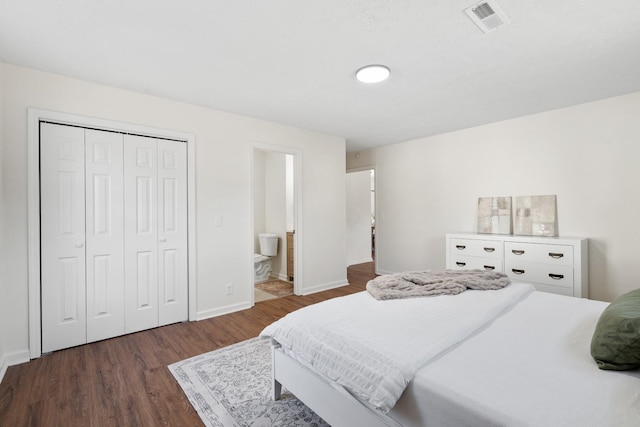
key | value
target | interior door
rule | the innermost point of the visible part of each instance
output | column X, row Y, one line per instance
column 104, row 234
column 113, row 234
column 172, row 232
column 141, row 232
column 156, row 264
column 62, row 228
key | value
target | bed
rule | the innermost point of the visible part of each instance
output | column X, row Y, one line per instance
column 523, row 361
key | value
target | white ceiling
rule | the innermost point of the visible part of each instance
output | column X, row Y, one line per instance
column 293, row 61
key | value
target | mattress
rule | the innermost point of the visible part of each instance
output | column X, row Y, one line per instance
column 373, row 348
column 532, row 366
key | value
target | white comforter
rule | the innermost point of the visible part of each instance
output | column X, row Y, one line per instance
column 373, row 348
column 532, row 367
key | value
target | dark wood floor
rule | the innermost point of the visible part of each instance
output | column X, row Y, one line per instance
column 124, row 381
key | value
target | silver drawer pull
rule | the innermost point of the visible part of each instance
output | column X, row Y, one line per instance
column 556, row 276
column 461, row 264
column 517, row 251
column 489, row 249
column 461, row 247
column 555, row 255
column 489, row 267
column 515, row 271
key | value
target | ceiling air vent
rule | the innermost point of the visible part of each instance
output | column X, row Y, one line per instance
column 487, row 15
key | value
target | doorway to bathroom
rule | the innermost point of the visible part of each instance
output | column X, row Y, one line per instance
column 274, row 224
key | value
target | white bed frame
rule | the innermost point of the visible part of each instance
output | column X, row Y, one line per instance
column 331, row 402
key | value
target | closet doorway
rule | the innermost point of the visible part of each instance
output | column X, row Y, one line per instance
column 110, row 250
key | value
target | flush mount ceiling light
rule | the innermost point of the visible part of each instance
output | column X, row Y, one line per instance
column 373, row 73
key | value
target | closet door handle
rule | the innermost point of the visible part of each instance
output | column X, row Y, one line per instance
column 79, row 245
column 556, row 276
column 517, row 251
column 461, row 247
column 489, row 249
column 163, row 240
column 516, row 271
column 555, row 255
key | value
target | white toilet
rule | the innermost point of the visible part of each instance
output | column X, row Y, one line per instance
column 262, row 261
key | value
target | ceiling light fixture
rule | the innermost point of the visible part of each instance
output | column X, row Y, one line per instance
column 373, row 73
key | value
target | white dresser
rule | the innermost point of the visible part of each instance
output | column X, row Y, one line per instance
column 552, row 264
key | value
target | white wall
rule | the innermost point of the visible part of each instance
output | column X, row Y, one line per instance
column 358, row 217
column 275, row 209
column 270, row 205
column 258, row 197
column 3, row 300
column 223, row 187
column 291, row 224
column 588, row 155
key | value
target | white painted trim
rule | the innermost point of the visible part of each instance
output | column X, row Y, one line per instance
column 361, row 169
column 232, row 308
column 12, row 359
column 361, row 261
column 298, row 262
column 282, row 276
column 325, row 287
column 35, row 116
column 3, row 367
column 381, row 272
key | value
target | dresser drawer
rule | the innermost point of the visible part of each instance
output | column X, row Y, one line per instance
column 461, row 262
column 551, row 264
column 478, row 248
column 553, row 275
column 538, row 252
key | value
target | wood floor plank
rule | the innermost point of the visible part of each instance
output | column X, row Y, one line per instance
column 125, row 381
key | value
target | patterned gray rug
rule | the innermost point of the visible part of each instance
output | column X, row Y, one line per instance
column 231, row 387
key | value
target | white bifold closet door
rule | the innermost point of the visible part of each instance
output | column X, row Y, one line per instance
column 113, row 234
column 155, row 232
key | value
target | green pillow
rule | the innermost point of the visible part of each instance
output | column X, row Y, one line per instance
column 616, row 341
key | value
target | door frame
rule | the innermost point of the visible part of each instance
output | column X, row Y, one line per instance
column 298, row 262
column 34, row 117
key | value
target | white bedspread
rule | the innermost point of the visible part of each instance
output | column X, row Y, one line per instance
column 531, row 367
column 373, row 348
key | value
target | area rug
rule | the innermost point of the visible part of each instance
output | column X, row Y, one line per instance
column 278, row 288
column 231, row 387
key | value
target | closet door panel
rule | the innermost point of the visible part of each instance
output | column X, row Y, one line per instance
column 141, row 236
column 105, row 234
column 62, row 228
column 172, row 233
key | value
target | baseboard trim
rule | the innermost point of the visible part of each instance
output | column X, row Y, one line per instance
column 381, row 272
column 283, row 277
column 12, row 359
column 325, row 287
column 232, row 308
column 362, row 261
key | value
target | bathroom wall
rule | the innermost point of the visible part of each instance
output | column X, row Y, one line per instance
column 291, row 226
column 275, row 203
column 258, row 196
column 3, row 300
column 270, row 204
